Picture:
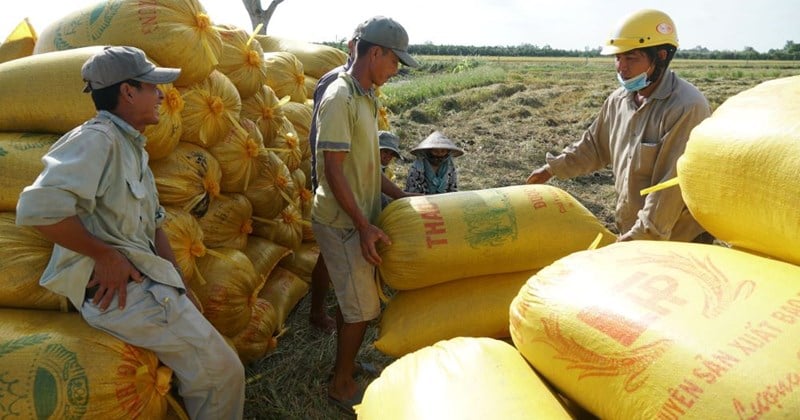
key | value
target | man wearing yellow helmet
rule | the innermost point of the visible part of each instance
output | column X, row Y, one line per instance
column 641, row 130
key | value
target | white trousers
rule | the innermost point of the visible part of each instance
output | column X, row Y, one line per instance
column 159, row 318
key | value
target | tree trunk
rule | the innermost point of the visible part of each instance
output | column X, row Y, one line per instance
column 259, row 15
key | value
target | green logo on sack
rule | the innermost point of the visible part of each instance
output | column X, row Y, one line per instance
column 490, row 219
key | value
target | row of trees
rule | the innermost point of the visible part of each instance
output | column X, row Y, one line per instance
column 791, row 51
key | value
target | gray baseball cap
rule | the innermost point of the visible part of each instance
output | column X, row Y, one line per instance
column 386, row 32
column 118, row 64
column 389, row 141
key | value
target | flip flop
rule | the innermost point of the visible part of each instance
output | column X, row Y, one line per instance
column 347, row 405
column 365, row 369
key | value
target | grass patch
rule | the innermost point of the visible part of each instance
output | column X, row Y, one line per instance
column 402, row 95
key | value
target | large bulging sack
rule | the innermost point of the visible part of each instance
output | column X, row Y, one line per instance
column 317, row 59
column 739, row 172
column 43, row 93
column 55, row 366
column 461, row 378
column 443, row 237
column 665, row 330
column 19, row 43
column 24, row 253
column 20, row 163
column 473, row 307
column 176, row 33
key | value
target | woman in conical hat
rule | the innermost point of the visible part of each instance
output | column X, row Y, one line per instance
column 433, row 171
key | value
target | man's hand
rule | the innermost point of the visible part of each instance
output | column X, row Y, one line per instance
column 369, row 236
column 540, row 175
column 111, row 273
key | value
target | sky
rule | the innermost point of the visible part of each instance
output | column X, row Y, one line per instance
column 561, row 24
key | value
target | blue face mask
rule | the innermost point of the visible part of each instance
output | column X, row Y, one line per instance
column 635, row 83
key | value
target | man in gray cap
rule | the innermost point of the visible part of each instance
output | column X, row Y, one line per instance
column 96, row 199
column 348, row 198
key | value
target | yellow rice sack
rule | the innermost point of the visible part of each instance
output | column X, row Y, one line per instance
column 438, row 238
column 462, row 378
column 188, row 178
column 55, row 366
column 471, row 307
column 665, row 330
column 237, row 155
column 264, row 254
column 286, row 144
column 311, row 85
column 284, row 229
column 20, row 163
column 285, row 75
column 176, row 33
column 228, row 222
column 55, row 103
column 302, row 260
column 257, row 339
column 229, row 289
column 24, row 253
column 317, row 59
column 738, row 174
column 267, row 111
column 242, row 60
column 300, row 117
column 273, row 188
column 19, row 43
column 283, row 289
column 211, row 109
column 186, row 239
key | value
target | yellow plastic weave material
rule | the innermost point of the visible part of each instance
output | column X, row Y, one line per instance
column 56, row 366
column 472, row 307
column 43, row 94
column 283, row 289
column 176, row 33
column 257, row 339
column 317, row 59
column 188, row 178
column 228, row 222
column 462, row 378
column 237, row 155
column 285, row 75
column 20, row 163
column 211, row 110
column 230, row 289
column 242, row 60
column 665, row 330
column 438, row 238
column 740, row 169
column 19, row 43
column 24, row 253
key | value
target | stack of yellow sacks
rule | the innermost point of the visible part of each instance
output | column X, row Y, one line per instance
column 651, row 329
column 234, row 183
column 457, row 259
column 675, row 330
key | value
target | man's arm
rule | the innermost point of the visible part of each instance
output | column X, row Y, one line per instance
column 369, row 233
column 392, row 190
column 111, row 269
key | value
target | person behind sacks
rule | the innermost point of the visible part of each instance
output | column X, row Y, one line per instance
column 433, row 171
column 641, row 131
column 96, row 200
column 348, row 198
column 389, row 146
column 320, row 279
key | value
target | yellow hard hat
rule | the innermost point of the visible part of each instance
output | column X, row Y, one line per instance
column 645, row 28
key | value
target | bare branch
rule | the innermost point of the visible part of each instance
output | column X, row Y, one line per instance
column 259, row 15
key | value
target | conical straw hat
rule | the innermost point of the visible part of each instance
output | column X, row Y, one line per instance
column 437, row 140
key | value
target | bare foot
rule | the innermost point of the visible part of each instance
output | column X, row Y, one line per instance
column 323, row 322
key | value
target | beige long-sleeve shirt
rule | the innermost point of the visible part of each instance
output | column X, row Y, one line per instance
column 642, row 144
column 99, row 172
